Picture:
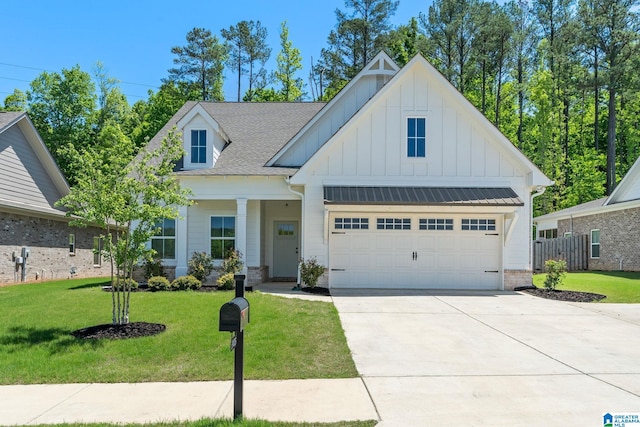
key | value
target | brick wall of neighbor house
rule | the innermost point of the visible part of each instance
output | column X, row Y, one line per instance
column 48, row 241
column 619, row 238
column 517, row 278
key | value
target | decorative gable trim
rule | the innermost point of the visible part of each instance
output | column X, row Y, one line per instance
column 199, row 110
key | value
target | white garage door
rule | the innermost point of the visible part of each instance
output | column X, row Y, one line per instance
column 415, row 251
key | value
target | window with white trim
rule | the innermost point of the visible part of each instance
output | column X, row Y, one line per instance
column 164, row 242
column 72, row 244
column 198, row 146
column 478, row 224
column 416, row 137
column 444, row 224
column 223, row 236
column 351, row 223
column 393, row 224
column 595, row 243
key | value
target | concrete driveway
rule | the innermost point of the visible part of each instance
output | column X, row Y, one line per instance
column 492, row 358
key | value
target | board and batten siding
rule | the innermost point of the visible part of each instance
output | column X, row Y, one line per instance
column 329, row 122
column 22, row 177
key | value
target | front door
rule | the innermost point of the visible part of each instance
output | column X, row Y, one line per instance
column 285, row 249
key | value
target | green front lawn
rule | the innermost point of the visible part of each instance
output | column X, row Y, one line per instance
column 618, row 286
column 286, row 339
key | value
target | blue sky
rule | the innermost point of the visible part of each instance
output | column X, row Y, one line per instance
column 133, row 38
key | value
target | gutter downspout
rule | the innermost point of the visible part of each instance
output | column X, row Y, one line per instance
column 539, row 192
column 287, row 180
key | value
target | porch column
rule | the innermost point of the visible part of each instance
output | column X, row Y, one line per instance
column 241, row 230
column 181, row 242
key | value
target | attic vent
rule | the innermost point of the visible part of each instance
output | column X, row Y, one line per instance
column 388, row 66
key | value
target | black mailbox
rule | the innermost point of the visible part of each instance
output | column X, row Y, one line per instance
column 234, row 315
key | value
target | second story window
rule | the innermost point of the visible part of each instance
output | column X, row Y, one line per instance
column 416, row 137
column 198, row 146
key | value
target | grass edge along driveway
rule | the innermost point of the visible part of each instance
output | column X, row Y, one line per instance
column 618, row 286
column 286, row 339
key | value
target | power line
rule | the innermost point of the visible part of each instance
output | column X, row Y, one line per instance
column 49, row 71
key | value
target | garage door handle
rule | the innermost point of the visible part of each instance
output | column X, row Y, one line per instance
column 338, row 269
column 491, row 234
column 338, row 232
column 492, row 271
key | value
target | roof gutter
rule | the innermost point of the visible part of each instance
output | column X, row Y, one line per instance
column 287, row 180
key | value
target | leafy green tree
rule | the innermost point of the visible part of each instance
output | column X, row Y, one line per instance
column 125, row 198
column 62, row 107
column 451, row 28
column 612, row 27
column 248, row 48
column 150, row 116
column 358, row 36
column 17, row 101
column 405, row 41
column 200, row 64
column 289, row 62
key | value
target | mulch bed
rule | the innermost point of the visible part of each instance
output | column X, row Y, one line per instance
column 570, row 296
column 317, row 290
column 116, row 332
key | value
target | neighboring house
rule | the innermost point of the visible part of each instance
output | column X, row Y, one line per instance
column 30, row 184
column 612, row 225
column 397, row 182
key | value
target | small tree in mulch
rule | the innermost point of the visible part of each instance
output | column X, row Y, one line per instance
column 310, row 271
column 556, row 270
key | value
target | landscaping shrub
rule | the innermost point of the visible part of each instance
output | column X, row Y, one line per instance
column 232, row 263
column 556, row 270
column 184, row 283
column 200, row 265
column 310, row 271
column 226, row 282
column 152, row 268
column 158, row 283
column 126, row 282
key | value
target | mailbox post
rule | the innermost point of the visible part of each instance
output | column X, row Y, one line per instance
column 234, row 316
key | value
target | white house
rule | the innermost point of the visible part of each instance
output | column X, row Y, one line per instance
column 397, row 182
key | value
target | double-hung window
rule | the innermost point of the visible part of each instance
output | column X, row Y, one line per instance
column 416, row 137
column 223, row 236
column 164, row 242
column 595, row 243
column 72, row 244
column 97, row 251
column 198, row 146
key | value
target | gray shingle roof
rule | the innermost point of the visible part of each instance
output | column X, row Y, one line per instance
column 465, row 196
column 8, row 117
column 594, row 204
column 257, row 131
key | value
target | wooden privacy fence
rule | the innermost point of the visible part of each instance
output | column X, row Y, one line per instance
column 574, row 250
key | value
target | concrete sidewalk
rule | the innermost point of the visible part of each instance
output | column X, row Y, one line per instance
column 291, row 400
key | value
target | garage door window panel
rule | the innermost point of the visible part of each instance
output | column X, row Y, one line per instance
column 436, row 224
column 393, row 224
column 351, row 223
column 478, row 224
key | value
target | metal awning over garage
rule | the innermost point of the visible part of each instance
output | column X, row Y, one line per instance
column 459, row 196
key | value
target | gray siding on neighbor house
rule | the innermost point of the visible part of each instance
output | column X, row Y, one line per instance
column 23, row 179
column 619, row 238
column 48, row 241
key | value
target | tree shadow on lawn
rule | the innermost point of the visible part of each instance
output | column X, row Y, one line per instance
column 91, row 285
column 56, row 340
